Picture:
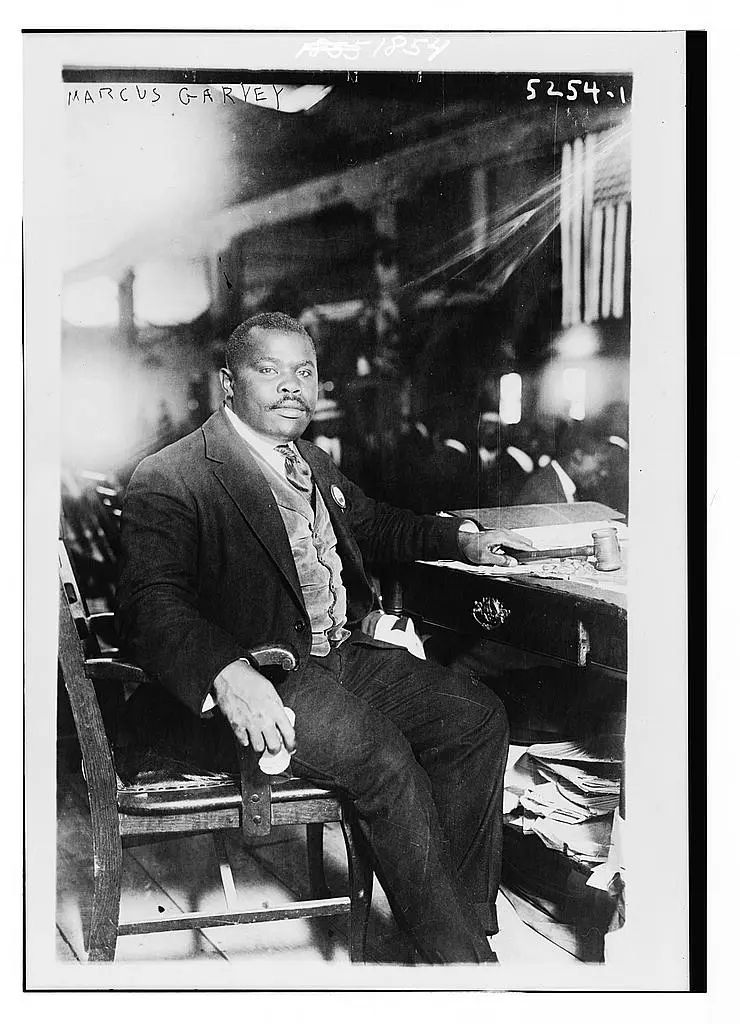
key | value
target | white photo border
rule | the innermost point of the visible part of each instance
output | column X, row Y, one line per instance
column 657, row 950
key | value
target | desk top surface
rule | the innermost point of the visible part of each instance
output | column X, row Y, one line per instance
column 585, row 583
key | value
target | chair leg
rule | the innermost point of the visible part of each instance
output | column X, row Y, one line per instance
column 106, row 905
column 224, row 867
column 315, row 851
column 360, row 886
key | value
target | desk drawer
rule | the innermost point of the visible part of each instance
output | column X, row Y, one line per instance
column 541, row 621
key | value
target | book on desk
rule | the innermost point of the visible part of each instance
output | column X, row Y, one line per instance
column 517, row 517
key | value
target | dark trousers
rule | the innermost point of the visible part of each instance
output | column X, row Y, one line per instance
column 421, row 750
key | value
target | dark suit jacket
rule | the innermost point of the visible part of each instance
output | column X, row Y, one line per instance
column 542, row 488
column 499, row 482
column 207, row 570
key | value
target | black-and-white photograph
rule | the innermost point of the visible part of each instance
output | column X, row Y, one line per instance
column 351, row 390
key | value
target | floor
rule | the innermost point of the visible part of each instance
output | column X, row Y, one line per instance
column 183, row 875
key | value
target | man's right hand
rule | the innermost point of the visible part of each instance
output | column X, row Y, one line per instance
column 253, row 708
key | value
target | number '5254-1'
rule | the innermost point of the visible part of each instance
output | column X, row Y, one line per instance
column 588, row 88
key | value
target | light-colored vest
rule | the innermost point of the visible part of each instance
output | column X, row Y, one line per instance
column 314, row 546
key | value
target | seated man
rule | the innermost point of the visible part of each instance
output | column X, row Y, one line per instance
column 237, row 535
column 502, row 467
column 576, row 474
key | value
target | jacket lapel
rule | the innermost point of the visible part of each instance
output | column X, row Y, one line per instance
column 323, row 482
column 234, row 467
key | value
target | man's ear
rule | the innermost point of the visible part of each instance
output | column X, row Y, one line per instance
column 227, row 382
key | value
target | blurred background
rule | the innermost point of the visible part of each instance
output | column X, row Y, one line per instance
column 459, row 254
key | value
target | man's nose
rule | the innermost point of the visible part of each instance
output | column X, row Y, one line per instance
column 290, row 385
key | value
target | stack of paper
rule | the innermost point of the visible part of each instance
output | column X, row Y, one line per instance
column 566, row 793
column 562, row 751
column 589, row 842
column 555, row 800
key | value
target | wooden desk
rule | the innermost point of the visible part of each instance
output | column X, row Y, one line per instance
column 578, row 624
column 569, row 621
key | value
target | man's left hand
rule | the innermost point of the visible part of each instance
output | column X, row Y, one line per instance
column 484, row 548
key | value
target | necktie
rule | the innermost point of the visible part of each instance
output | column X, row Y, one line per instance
column 296, row 469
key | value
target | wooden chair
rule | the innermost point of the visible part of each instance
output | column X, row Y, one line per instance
column 156, row 805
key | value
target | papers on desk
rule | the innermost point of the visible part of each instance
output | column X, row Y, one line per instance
column 566, row 794
column 485, row 570
column 576, row 570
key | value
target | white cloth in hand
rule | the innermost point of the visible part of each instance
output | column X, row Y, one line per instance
column 273, row 764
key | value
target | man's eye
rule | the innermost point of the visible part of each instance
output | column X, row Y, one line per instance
column 267, row 369
column 305, row 373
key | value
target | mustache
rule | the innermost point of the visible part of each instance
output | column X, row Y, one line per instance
column 291, row 403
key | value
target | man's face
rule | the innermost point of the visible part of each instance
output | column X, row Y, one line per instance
column 274, row 389
column 589, row 472
column 489, row 436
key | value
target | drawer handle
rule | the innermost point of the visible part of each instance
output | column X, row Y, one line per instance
column 584, row 645
column 489, row 613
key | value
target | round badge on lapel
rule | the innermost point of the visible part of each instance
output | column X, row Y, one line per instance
column 338, row 497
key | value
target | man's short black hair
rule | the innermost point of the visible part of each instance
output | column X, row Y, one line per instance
column 240, row 340
column 577, row 437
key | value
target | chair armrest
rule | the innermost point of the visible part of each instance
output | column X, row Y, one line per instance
column 115, row 670
column 284, row 655
column 98, row 617
column 112, row 671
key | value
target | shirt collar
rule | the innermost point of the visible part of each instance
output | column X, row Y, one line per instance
column 568, row 486
column 331, row 445
column 261, row 445
column 521, row 458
